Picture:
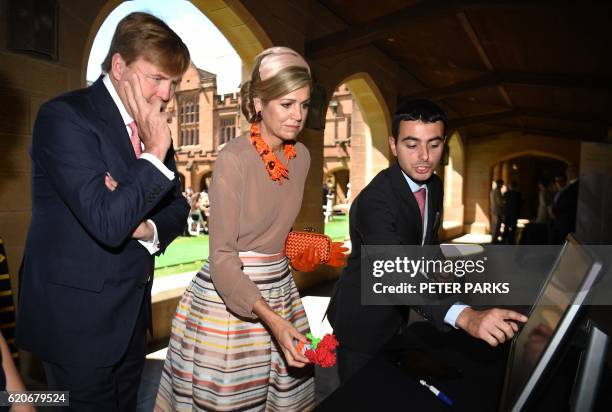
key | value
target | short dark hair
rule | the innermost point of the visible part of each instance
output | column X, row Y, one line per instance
column 422, row 110
column 144, row 35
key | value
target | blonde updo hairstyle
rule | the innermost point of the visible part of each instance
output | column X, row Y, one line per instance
column 284, row 81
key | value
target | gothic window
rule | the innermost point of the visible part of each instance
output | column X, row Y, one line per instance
column 228, row 129
column 189, row 118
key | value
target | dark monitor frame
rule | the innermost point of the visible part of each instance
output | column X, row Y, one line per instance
column 560, row 334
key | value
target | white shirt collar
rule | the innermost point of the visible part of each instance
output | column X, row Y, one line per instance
column 414, row 186
column 127, row 119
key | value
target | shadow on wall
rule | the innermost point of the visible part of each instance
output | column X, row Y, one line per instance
column 14, row 126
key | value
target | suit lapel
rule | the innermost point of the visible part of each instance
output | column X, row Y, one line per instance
column 433, row 215
column 114, row 127
column 402, row 188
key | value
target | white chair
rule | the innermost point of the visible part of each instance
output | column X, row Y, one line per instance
column 195, row 223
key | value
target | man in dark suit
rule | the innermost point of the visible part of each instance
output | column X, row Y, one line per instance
column 402, row 205
column 565, row 207
column 513, row 202
column 105, row 198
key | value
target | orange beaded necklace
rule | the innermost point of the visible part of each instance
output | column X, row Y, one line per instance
column 274, row 167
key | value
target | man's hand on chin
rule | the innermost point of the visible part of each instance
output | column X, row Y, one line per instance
column 144, row 232
column 494, row 326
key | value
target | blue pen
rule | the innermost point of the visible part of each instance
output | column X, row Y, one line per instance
column 440, row 395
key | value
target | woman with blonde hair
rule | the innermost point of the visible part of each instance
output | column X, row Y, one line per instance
column 237, row 324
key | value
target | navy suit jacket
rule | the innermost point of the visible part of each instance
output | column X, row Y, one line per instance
column 83, row 279
column 565, row 210
column 384, row 213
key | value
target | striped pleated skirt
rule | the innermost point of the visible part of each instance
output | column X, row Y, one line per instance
column 219, row 362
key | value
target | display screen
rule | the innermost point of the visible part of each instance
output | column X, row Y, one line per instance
column 549, row 320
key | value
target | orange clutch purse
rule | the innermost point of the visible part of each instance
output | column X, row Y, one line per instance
column 298, row 241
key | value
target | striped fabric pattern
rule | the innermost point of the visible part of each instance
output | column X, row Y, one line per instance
column 219, row 362
column 7, row 305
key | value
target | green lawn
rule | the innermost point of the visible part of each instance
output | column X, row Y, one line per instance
column 187, row 254
column 338, row 228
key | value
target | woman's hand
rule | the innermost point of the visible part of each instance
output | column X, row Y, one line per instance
column 283, row 332
column 286, row 336
column 338, row 255
column 307, row 261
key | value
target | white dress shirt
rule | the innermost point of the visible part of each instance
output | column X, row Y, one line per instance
column 453, row 312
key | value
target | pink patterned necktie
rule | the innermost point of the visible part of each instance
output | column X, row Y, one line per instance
column 420, row 198
column 136, row 145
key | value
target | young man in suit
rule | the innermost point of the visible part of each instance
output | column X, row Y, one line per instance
column 402, row 205
column 106, row 197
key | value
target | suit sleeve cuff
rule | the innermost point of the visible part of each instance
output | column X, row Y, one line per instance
column 153, row 245
column 453, row 313
column 158, row 164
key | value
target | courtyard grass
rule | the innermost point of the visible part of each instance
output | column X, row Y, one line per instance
column 338, row 228
column 185, row 254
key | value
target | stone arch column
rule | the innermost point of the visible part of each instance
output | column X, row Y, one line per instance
column 371, row 128
column 183, row 182
column 453, row 176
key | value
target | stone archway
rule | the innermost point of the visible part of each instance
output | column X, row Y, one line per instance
column 371, row 128
column 535, row 153
column 231, row 18
column 203, row 181
column 525, row 169
column 483, row 154
column 339, row 178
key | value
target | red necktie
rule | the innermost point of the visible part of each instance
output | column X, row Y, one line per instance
column 135, row 139
column 420, row 198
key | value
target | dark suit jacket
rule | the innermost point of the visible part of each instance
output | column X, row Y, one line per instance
column 513, row 201
column 83, row 279
column 565, row 209
column 384, row 213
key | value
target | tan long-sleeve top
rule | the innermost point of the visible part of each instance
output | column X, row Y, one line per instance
column 249, row 212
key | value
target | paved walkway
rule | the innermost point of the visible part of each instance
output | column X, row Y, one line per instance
column 172, row 282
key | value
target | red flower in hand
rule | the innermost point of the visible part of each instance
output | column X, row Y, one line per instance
column 324, row 354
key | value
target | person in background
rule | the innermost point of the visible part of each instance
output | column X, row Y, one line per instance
column 557, row 186
column 497, row 208
column 10, row 380
column 544, row 201
column 512, row 209
column 565, row 206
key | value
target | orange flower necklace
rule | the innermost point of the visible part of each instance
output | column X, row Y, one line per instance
column 274, row 167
